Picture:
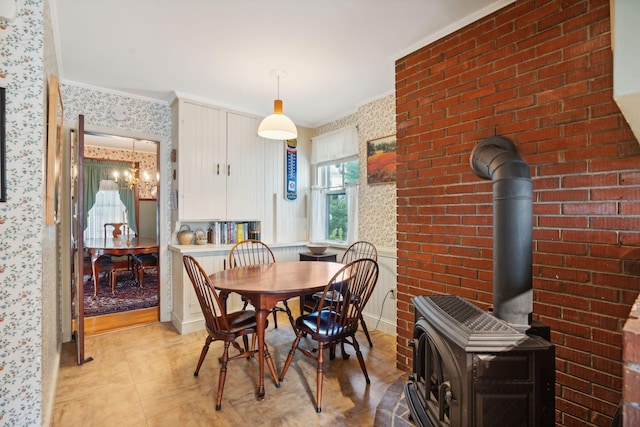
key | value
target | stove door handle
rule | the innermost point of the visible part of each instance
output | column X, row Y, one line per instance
column 444, row 399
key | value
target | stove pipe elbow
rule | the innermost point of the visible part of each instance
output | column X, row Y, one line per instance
column 495, row 158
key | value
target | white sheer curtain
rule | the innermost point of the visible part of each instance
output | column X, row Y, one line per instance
column 318, row 215
column 351, row 192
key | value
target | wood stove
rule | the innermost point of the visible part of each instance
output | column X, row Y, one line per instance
column 473, row 369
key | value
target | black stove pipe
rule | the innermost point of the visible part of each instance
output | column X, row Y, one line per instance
column 495, row 158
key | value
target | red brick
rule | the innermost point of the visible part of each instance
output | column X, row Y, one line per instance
column 539, row 73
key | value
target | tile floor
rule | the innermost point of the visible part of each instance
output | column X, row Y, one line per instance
column 143, row 376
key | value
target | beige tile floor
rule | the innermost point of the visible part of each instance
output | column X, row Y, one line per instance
column 144, row 377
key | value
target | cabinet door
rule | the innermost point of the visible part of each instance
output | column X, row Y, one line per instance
column 245, row 154
column 202, row 161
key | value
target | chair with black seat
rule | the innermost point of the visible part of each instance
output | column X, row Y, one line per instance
column 105, row 264
column 142, row 262
column 117, row 229
column 336, row 319
column 223, row 326
column 358, row 250
column 254, row 252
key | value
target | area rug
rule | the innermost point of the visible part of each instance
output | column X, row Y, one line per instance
column 127, row 296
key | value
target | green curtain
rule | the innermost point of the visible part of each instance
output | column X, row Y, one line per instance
column 97, row 170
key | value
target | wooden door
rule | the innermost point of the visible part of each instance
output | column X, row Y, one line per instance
column 77, row 211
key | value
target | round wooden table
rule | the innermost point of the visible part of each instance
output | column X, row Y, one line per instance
column 267, row 284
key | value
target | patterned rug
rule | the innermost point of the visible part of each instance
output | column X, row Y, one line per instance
column 127, row 296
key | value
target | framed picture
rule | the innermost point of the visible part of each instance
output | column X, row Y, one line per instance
column 381, row 160
column 3, row 156
column 54, row 150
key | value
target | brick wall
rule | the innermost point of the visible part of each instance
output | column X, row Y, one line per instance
column 539, row 73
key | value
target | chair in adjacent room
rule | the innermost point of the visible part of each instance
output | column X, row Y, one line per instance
column 336, row 318
column 358, row 250
column 114, row 227
column 105, row 264
column 253, row 252
column 223, row 326
column 141, row 262
column 117, row 229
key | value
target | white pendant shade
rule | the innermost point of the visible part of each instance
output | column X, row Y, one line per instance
column 277, row 125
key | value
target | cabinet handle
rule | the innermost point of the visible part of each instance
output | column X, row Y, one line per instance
column 228, row 170
column 218, row 172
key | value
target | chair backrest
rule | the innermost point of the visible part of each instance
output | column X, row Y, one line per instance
column 117, row 231
column 250, row 252
column 214, row 315
column 346, row 294
column 358, row 250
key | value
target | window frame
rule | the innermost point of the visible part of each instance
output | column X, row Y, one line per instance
column 331, row 191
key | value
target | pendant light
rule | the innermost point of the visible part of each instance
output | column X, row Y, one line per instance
column 277, row 125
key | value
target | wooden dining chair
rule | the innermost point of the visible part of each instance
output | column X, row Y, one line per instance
column 253, row 252
column 105, row 264
column 114, row 227
column 142, row 262
column 223, row 326
column 358, row 250
column 336, row 319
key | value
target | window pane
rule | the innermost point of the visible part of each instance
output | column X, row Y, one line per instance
column 337, row 217
column 351, row 172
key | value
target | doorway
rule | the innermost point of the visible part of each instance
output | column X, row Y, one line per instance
column 121, row 186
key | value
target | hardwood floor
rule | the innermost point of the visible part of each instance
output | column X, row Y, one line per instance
column 143, row 376
column 111, row 322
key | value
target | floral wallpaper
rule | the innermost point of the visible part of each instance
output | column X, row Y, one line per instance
column 147, row 165
column 376, row 203
column 22, row 228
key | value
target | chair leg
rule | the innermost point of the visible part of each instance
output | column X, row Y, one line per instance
column 366, row 331
column 114, row 278
column 320, row 376
column 292, row 352
column 356, row 346
column 223, row 374
column 140, row 275
column 203, row 354
column 286, row 307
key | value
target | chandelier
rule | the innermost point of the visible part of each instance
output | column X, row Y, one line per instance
column 130, row 176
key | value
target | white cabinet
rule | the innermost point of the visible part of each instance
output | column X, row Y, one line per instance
column 245, row 162
column 219, row 163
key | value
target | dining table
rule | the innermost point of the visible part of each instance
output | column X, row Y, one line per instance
column 265, row 285
column 117, row 246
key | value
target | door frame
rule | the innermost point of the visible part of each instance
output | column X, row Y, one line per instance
column 163, row 219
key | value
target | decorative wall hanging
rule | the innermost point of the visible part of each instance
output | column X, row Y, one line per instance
column 381, row 160
column 291, row 166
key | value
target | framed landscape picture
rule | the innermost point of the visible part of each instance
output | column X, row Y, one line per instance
column 381, row 160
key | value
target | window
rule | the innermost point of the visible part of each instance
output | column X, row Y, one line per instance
column 334, row 179
column 334, row 196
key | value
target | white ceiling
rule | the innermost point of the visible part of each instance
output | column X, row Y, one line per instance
column 338, row 54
